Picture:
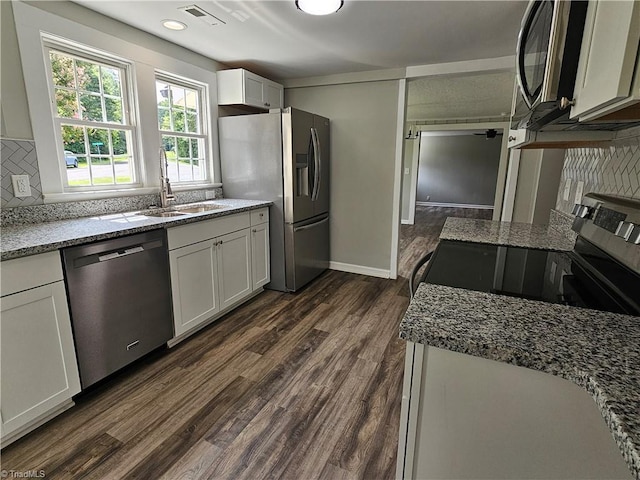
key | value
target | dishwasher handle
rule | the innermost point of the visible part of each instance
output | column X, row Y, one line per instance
column 115, row 254
column 122, row 253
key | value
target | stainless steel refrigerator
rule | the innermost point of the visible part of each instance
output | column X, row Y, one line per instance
column 283, row 156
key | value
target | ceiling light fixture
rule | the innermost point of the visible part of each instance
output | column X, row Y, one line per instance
column 319, row 7
column 173, row 25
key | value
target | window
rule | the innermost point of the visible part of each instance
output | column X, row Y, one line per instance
column 96, row 133
column 181, row 123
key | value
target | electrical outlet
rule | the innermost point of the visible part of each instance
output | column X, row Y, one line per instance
column 209, row 194
column 21, row 186
column 406, row 171
column 567, row 190
column 579, row 189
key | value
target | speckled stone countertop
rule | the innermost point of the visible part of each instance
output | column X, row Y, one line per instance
column 598, row 351
column 506, row 233
column 30, row 239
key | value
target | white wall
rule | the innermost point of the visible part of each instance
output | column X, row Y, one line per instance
column 458, row 169
column 537, row 186
column 14, row 108
column 363, row 150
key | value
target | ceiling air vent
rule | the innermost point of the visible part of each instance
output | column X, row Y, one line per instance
column 202, row 15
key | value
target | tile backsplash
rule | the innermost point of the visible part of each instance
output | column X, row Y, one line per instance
column 18, row 157
column 612, row 170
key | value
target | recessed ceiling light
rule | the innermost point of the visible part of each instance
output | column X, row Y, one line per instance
column 319, row 7
column 173, row 25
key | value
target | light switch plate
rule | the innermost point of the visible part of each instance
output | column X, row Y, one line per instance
column 21, row 186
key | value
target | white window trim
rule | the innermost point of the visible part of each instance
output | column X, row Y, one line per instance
column 64, row 46
column 204, row 122
column 31, row 23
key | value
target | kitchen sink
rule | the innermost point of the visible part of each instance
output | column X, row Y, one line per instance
column 164, row 214
column 181, row 210
column 196, row 208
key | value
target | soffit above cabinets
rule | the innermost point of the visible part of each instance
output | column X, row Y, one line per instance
column 274, row 39
column 478, row 96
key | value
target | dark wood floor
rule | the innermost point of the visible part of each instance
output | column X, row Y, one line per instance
column 289, row 386
column 420, row 238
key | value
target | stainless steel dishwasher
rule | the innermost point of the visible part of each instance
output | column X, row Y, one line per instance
column 120, row 300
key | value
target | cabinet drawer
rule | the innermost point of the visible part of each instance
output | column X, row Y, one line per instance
column 259, row 216
column 29, row 272
column 206, row 229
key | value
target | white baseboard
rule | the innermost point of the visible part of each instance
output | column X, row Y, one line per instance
column 454, row 205
column 359, row 269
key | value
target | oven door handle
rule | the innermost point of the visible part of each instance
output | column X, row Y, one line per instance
column 413, row 284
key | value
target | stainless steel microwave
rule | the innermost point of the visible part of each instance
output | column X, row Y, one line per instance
column 547, row 59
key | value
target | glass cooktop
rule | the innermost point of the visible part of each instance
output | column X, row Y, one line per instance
column 556, row 277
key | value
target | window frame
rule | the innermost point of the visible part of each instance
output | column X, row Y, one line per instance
column 126, row 67
column 146, row 54
column 204, row 121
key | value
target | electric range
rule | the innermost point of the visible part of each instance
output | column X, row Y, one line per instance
column 602, row 272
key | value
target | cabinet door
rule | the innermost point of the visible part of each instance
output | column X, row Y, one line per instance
column 39, row 372
column 253, row 90
column 273, row 95
column 194, row 278
column 260, row 255
column 607, row 59
column 234, row 267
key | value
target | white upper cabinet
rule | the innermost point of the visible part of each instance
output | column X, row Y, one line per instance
column 241, row 87
column 607, row 80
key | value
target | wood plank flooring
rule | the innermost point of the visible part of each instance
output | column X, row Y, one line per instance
column 288, row 386
column 420, row 238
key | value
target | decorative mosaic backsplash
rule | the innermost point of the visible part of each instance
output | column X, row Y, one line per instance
column 613, row 170
column 18, row 157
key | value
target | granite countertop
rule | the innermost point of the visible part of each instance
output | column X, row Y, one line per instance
column 598, row 351
column 30, row 239
column 506, row 233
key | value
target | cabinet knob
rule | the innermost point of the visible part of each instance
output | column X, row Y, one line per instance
column 254, row 230
column 267, row 104
column 512, row 138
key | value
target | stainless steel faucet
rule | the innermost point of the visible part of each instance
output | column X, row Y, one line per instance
column 166, row 194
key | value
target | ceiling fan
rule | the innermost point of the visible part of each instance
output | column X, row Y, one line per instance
column 490, row 133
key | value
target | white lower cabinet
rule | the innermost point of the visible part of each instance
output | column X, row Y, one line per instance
column 234, row 267
column 213, row 268
column 466, row 417
column 194, row 284
column 39, row 371
column 261, row 262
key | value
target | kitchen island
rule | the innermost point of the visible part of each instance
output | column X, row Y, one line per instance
column 597, row 351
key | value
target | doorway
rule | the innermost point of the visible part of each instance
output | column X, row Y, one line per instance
column 457, row 172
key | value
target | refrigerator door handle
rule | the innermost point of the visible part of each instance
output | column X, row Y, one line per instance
column 311, row 225
column 317, row 174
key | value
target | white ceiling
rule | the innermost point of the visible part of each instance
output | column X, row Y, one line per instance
column 274, row 39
